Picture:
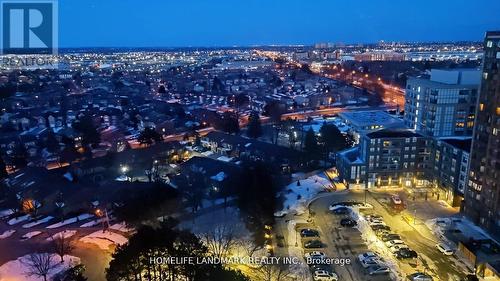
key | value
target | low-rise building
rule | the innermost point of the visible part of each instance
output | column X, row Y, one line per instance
column 363, row 122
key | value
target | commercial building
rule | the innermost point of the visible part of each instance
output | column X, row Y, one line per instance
column 482, row 199
column 442, row 105
column 380, row 56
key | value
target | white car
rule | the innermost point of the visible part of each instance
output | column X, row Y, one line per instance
column 366, row 255
column 377, row 222
column 398, row 247
column 315, row 255
column 445, row 249
column 323, row 275
column 394, row 243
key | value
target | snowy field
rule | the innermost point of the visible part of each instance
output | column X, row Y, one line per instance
column 104, row 240
column 299, row 193
column 17, row 270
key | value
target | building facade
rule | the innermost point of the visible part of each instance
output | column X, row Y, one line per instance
column 482, row 199
column 444, row 104
column 403, row 158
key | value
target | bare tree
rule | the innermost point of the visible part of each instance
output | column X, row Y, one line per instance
column 39, row 265
column 62, row 245
column 273, row 272
column 220, row 240
column 249, row 246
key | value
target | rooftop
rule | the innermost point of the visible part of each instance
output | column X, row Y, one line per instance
column 460, row 143
column 394, row 133
column 373, row 117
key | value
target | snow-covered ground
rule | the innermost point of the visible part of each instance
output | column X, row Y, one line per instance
column 438, row 227
column 7, row 234
column 298, row 195
column 92, row 223
column 38, row 222
column 70, row 221
column 17, row 270
column 104, row 240
column 65, row 234
column 17, row 220
column 374, row 244
column 6, row 213
column 30, row 235
column 122, row 227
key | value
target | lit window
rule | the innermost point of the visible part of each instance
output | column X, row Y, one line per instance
column 489, row 44
column 481, row 106
column 498, row 110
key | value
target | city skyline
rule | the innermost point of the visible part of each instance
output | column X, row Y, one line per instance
column 220, row 23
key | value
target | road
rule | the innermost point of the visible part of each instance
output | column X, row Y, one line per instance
column 347, row 243
column 331, row 111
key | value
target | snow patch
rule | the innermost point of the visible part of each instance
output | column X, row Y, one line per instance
column 17, row 269
column 104, row 239
column 70, row 221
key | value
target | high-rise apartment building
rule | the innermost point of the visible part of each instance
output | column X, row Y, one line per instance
column 482, row 199
column 442, row 105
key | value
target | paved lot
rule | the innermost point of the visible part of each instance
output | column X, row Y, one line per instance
column 347, row 243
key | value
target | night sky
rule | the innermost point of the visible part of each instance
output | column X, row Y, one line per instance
column 176, row 23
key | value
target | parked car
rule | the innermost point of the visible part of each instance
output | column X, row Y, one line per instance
column 445, row 249
column 366, row 263
column 390, row 236
column 380, row 227
column 381, row 233
column 323, row 275
column 396, row 200
column 371, row 217
column 315, row 255
column 308, row 232
column 313, row 244
column 378, row 270
column 394, row 242
column 418, row 276
column 405, row 253
column 366, row 255
column 348, row 222
column 398, row 247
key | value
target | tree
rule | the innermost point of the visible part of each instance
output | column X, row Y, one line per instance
column 254, row 127
column 311, row 143
column 332, row 139
column 230, row 123
column 159, row 200
column 220, row 240
column 85, row 125
column 75, row 273
column 51, row 142
column 256, row 198
column 61, row 245
column 39, row 265
column 273, row 272
column 149, row 136
column 133, row 261
column 3, row 169
column 19, row 156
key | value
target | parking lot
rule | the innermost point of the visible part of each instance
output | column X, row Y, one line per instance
column 347, row 242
